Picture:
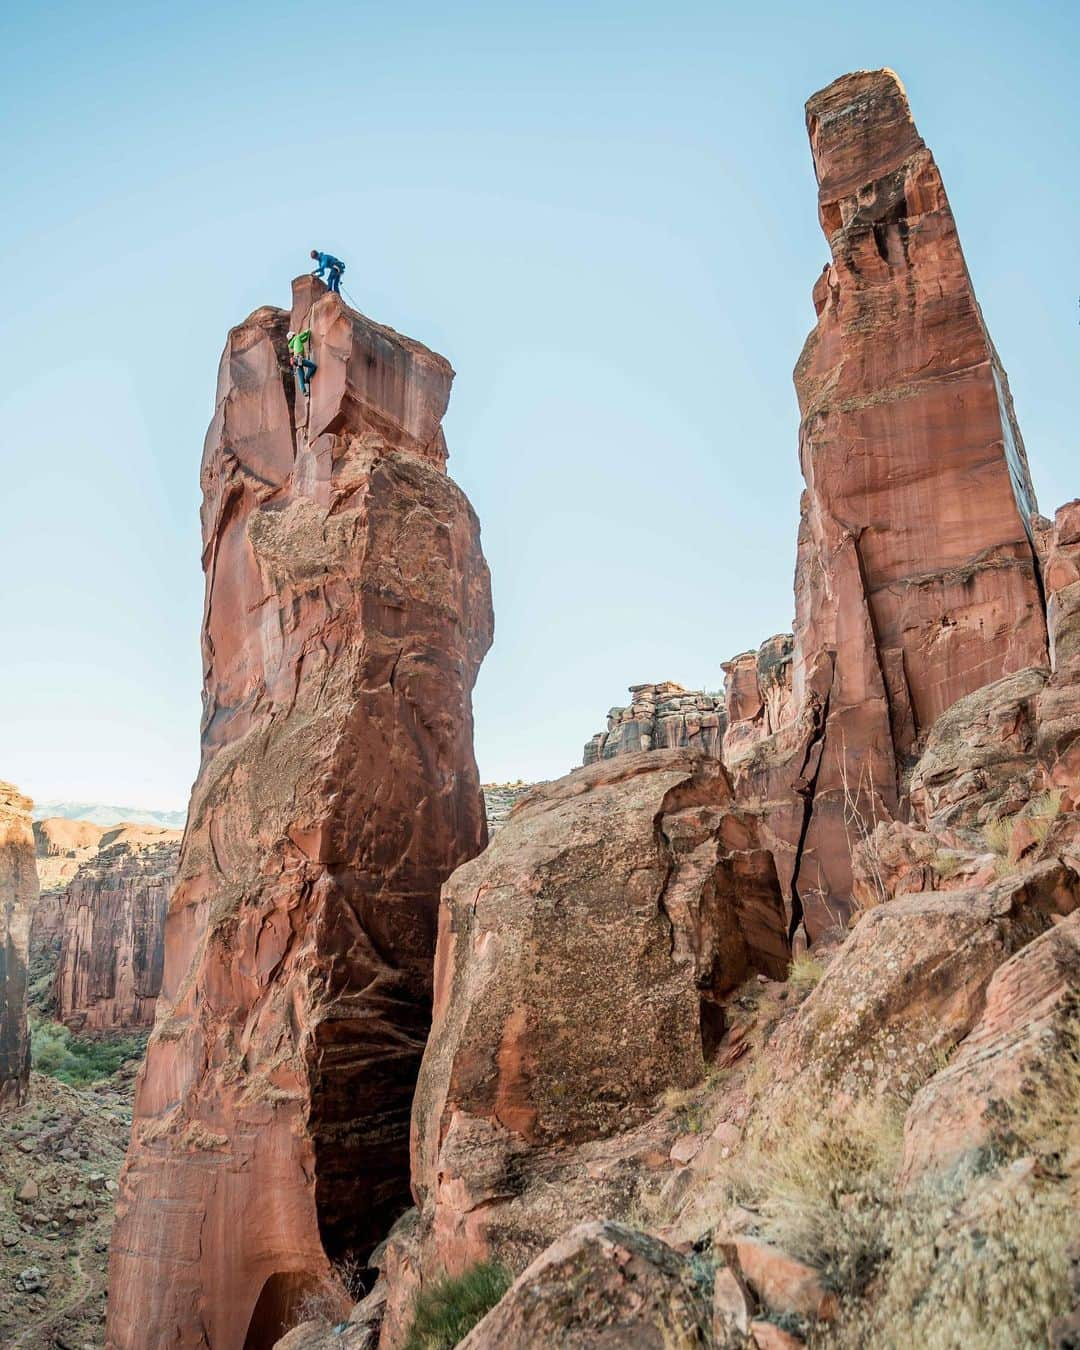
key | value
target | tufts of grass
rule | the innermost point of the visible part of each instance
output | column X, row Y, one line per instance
column 947, row 864
column 447, row 1309
column 1042, row 811
column 76, row 1060
column 805, row 973
column 997, row 834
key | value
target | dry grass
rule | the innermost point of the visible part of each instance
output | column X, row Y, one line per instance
column 947, row 864
column 997, row 834
column 805, row 973
column 1042, row 811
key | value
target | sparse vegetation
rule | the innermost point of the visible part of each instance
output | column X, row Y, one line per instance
column 947, row 863
column 997, row 834
column 804, row 973
column 1042, row 811
column 447, row 1309
column 78, row 1060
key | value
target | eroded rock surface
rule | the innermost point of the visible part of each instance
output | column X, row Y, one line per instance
column 916, row 580
column 113, row 936
column 18, row 896
column 584, row 962
column 661, row 717
column 347, row 611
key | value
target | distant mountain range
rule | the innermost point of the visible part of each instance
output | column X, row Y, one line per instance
column 100, row 814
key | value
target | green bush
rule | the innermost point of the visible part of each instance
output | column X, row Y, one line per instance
column 447, row 1310
column 75, row 1060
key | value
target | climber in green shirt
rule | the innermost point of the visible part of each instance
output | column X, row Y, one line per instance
column 298, row 359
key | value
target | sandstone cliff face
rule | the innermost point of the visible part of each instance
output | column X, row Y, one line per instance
column 347, row 611
column 660, row 717
column 61, row 846
column 18, row 896
column 916, row 580
column 113, row 943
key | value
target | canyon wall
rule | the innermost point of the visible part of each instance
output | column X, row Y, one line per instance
column 347, row 611
column 660, row 716
column 18, row 896
column 113, row 936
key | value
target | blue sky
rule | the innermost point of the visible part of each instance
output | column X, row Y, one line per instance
column 603, row 214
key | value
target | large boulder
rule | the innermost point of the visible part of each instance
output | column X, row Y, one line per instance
column 602, row 1285
column 584, row 965
column 347, row 611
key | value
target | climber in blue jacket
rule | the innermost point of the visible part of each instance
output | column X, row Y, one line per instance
column 326, row 262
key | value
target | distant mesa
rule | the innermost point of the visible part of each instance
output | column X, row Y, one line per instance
column 99, row 813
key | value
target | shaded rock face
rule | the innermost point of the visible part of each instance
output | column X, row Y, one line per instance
column 347, row 610
column 1059, row 703
column 757, row 695
column 113, row 947
column 916, row 579
column 660, row 717
column 18, row 896
column 583, row 965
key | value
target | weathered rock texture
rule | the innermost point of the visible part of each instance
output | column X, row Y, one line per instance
column 347, row 611
column 1059, row 704
column 916, row 580
column 757, row 695
column 584, row 964
column 660, row 717
column 18, row 896
column 113, row 948
column 61, row 846
column 603, row 1284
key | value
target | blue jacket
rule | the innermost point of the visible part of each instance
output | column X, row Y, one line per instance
column 327, row 260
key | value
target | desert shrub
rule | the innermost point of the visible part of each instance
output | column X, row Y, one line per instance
column 804, row 973
column 447, row 1309
column 947, row 864
column 1042, row 811
column 76, row 1060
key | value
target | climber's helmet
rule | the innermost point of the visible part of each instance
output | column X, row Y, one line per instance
column 290, row 335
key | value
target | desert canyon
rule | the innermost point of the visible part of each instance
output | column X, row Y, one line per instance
column 761, row 1028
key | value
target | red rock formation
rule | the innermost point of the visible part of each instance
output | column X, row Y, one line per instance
column 661, row 717
column 757, row 696
column 112, row 954
column 584, row 964
column 347, row 610
column 18, row 896
column 1026, row 1035
column 61, row 845
column 916, row 580
column 1059, row 704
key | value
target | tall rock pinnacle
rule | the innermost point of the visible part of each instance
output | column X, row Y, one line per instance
column 916, row 580
column 347, row 611
column 18, row 896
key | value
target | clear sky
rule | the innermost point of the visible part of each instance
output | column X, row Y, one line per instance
column 602, row 213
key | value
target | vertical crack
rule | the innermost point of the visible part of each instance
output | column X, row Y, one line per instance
column 806, row 789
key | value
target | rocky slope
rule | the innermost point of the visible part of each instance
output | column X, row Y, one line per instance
column 347, row 611
column 113, row 933
column 18, row 896
column 60, row 1153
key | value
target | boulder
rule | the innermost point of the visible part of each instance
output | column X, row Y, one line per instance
column 1027, row 1030
column 910, row 983
column 18, row 897
column 583, row 965
column 347, row 611
column 601, row 1285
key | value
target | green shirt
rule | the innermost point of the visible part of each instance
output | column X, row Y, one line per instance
column 298, row 342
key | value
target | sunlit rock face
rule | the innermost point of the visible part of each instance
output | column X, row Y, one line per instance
column 347, row 611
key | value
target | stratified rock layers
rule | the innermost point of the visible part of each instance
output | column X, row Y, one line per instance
column 348, row 608
column 113, row 949
column 18, row 895
column 916, row 580
column 661, row 717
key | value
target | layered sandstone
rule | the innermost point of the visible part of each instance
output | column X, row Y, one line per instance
column 61, row 846
column 347, row 611
column 916, row 580
column 18, row 896
column 113, row 940
column 660, row 717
